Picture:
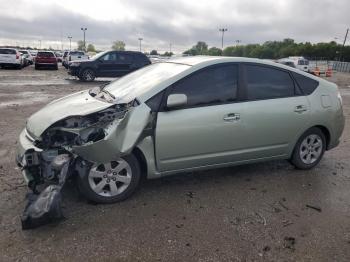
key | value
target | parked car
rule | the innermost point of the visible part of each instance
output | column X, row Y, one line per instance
column 58, row 56
column 64, row 60
column 182, row 115
column 298, row 62
column 28, row 56
column 46, row 59
column 10, row 57
column 75, row 56
column 108, row 64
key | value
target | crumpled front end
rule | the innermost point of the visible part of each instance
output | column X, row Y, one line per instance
column 97, row 138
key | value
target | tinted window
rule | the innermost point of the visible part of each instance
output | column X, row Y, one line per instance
column 124, row 58
column 215, row 85
column 45, row 54
column 306, row 84
column 266, row 82
column 7, row 51
column 110, row 57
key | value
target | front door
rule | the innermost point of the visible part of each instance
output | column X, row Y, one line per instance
column 208, row 130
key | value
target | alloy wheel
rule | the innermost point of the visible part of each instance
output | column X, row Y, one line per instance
column 311, row 149
column 110, row 179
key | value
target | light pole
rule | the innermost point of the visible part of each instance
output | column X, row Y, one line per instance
column 140, row 39
column 223, row 30
column 39, row 44
column 170, row 48
column 84, row 29
column 70, row 42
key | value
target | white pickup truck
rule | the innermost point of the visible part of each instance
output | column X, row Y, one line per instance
column 74, row 56
column 10, row 57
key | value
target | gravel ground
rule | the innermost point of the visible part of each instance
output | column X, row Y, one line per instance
column 248, row 213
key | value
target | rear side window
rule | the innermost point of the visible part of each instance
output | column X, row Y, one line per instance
column 210, row 86
column 141, row 59
column 45, row 54
column 124, row 58
column 267, row 83
column 7, row 51
column 306, row 84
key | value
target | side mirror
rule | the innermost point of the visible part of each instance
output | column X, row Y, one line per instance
column 176, row 100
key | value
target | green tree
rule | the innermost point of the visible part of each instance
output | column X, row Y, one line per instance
column 201, row 48
column 80, row 44
column 214, row 51
column 91, row 48
column 118, row 45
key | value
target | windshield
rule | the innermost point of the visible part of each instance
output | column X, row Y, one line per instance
column 97, row 56
column 139, row 82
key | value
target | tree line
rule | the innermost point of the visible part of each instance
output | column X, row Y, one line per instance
column 276, row 50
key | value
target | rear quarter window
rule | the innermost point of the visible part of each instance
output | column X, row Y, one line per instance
column 306, row 84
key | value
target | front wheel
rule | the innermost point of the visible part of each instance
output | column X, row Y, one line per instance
column 111, row 182
column 87, row 75
column 309, row 149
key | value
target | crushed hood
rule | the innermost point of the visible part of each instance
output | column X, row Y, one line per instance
column 77, row 104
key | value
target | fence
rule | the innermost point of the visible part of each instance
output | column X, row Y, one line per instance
column 341, row 66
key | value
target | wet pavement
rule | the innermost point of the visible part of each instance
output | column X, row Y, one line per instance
column 261, row 212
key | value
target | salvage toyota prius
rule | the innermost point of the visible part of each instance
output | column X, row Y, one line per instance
column 180, row 115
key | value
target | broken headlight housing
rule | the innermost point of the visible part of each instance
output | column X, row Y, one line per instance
column 78, row 130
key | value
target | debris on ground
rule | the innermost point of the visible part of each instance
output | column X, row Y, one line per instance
column 318, row 209
column 289, row 243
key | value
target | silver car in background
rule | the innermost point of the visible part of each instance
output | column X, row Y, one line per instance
column 181, row 115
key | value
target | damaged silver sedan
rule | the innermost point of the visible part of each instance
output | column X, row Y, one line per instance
column 180, row 115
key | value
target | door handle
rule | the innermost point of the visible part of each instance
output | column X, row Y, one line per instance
column 300, row 109
column 232, row 117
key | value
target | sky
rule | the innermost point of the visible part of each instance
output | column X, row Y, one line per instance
column 179, row 23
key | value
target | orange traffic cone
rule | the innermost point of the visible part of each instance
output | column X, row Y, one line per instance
column 329, row 72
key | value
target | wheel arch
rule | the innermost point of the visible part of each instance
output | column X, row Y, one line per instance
column 326, row 133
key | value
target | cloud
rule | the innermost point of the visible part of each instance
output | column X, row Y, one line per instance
column 180, row 22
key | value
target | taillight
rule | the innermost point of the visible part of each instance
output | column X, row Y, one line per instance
column 17, row 56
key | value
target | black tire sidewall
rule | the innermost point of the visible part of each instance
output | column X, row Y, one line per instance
column 296, row 160
column 85, row 189
column 83, row 77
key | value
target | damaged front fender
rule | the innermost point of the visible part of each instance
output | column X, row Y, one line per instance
column 121, row 137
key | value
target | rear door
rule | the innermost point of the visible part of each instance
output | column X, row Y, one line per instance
column 275, row 111
column 7, row 56
column 207, row 131
column 123, row 64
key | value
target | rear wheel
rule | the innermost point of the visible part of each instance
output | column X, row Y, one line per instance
column 111, row 182
column 36, row 67
column 309, row 149
column 87, row 75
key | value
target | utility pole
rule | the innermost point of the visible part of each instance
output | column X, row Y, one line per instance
column 223, row 30
column 84, row 29
column 170, row 48
column 346, row 36
column 70, row 42
column 140, row 39
column 39, row 44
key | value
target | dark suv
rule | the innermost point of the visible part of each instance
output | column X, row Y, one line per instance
column 108, row 64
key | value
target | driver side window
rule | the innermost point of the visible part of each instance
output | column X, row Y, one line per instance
column 210, row 86
column 109, row 57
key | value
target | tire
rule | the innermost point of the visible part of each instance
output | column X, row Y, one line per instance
column 98, row 183
column 309, row 149
column 87, row 75
column 36, row 67
column 56, row 67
